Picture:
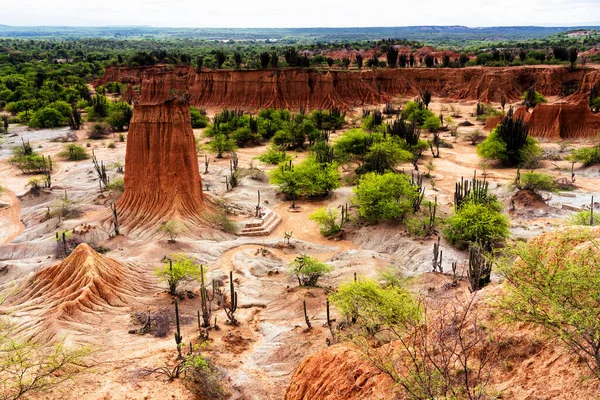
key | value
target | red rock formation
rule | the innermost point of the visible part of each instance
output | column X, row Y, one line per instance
column 162, row 180
column 561, row 121
column 335, row 373
column 295, row 88
column 83, row 283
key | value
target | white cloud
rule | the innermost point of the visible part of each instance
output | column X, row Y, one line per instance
column 304, row 13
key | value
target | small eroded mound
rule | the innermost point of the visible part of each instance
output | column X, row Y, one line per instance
column 338, row 372
column 83, row 284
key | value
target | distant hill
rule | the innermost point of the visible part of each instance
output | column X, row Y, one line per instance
column 427, row 34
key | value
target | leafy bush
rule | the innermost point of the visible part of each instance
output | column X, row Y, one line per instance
column 588, row 156
column 98, row 131
column 476, row 223
column 372, row 306
column 585, row 218
column 199, row 120
column 510, row 143
column 117, row 185
column 221, row 144
column 327, row 219
column 432, row 123
column 537, row 181
column 354, row 144
column 182, row 268
column 308, row 179
column 171, row 229
column 74, row 152
column 274, row 156
column 416, row 111
column 555, row 285
column 47, row 117
column 384, row 156
column 119, row 115
column 204, row 379
column 531, row 98
column 308, row 270
column 385, row 197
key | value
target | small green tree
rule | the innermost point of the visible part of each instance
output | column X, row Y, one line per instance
column 308, row 270
column 537, row 181
column 221, row 144
column 74, row 152
column 587, row 155
column 531, row 98
column 171, row 229
column 274, row 156
column 555, row 284
column 308, row 179
column 385, row 197
column 177, row 269
column 119, row 115
column 47, row 117
column 327, row 218
column 510, row 143
column 365, row 302
column 476, row 223
column 199, row 120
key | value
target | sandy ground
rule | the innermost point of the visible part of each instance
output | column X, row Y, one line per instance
column 259, row 355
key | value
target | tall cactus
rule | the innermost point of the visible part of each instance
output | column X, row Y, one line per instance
column 115, row 219
column 233, row 301
column 206, row 299
column 480, row 269
column 178, row 337
column 306, row 319
column 437, row 257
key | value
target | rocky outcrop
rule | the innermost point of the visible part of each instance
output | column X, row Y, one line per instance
column 71, row 291
column 162, row 179
column 312, row 89
column 561, row 121
column 338, row 372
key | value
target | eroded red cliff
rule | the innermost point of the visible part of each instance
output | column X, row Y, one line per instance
column 295, row 88
column 162, row 179
column 561, row 120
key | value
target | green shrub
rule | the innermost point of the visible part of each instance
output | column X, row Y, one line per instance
column 510, row 143
column 476, row 223
column 274, row 156
column 308, row 270
column 327, row 219
column 531, row 98
column 307, row 179
column 432, row 123
column 199, row 120
column 74, row 152
column 537, row 181
column 555, row 285
column 119, row 115
column 588, row 156
column 47, row 117
column 221, row 144
column 367, row 303
column 384, row 156
column 117, row 185
column 416, row 111
column 385, row 197
column 585, row 218
column 181, row 269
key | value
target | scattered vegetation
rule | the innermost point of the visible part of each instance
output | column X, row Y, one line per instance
column 178, row 268
column 308, row 270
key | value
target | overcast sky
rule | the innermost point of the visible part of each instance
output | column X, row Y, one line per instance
column 300, row 13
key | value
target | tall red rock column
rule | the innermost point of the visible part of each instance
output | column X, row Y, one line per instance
column 162, row 179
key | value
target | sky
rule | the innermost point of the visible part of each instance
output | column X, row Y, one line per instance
column 300, row 13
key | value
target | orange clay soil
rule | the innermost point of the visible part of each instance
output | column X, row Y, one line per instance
column 561, row 120
column 528, row 368
column 312, row 89
column 83, row 283
column 162, row 179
